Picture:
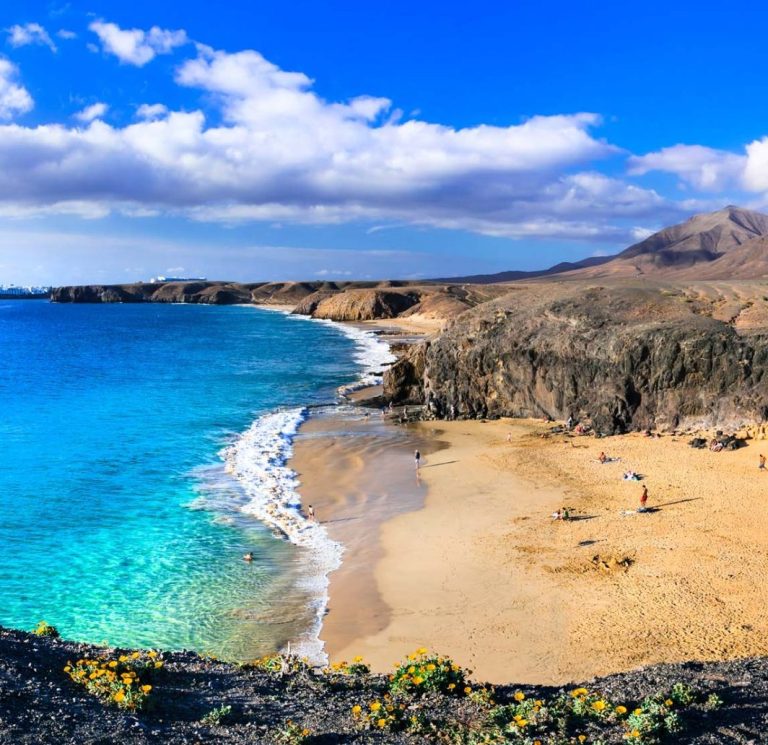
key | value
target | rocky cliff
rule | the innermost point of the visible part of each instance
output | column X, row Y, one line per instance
column 623, row 355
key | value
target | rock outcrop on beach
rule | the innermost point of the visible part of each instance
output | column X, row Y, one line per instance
column 41, row 705
column 624, row 355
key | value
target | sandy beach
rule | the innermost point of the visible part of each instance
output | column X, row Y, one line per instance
column 476, row 568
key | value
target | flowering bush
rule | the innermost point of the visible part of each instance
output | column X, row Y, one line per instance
column 293, row 734
column 283, row 664
column 45, row 629
column 423, row 672
column 355, row 668
column 123, row 680
column 380, row 714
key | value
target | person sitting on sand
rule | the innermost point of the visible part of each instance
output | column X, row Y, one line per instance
column 761, row 467
column 248, row 556
column 603, row 458
column 643, row 500
column 715, row 446
column 557, row 515
column 566, row 514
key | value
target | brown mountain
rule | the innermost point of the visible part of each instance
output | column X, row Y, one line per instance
column 698, row 248
column 726, row 244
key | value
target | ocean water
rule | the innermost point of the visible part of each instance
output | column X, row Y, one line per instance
column 142, row 452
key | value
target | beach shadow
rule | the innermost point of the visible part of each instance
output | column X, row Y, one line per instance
column 591, row 542
column 577, row 518
column 680, row 501
column 444, row 463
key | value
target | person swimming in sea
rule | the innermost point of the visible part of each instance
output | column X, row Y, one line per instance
column 248, row 556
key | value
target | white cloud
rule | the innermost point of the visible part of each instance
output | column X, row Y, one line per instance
column 704, row 168
column 66, row 34
column 14, row 98
column 151, row 111
column 280, row 152
column 333, row 273
column 136, row 46
column 29, row 33
column 94, row 111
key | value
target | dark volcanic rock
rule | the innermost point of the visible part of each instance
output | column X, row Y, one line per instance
column 623, row 356
column 40, row 705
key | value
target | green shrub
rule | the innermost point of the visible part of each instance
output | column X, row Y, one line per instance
column 423, row 672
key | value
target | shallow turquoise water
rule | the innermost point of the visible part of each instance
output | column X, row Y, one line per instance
column 111, row 420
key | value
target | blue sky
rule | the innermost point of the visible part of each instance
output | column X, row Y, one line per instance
column 259, row 141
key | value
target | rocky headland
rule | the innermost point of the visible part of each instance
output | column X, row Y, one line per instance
column 623, row 355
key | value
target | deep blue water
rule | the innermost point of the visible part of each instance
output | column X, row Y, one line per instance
column 111, row 421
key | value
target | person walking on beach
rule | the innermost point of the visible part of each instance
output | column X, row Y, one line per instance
column 311, row 512
column 761, row 467
column 643, row 499
column 417, row 458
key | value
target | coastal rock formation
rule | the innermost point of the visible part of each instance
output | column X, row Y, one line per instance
column 623, row 356
column 358, row 305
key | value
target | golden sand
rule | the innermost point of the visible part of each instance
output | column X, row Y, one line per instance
column 482, row 573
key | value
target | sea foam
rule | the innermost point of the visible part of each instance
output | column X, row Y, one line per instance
column 258, row 459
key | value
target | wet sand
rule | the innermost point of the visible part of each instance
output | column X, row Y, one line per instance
column 358, row 472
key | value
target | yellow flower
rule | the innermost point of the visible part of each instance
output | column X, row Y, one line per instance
column 152, row 653
column 668, row 702
column 418, row 680
column 637, row 712
column 375, row 706
column 356, row 709
column 522, row 722
column 113, row 663
column 158, row 664
column 582, row 738
column 579, row 692
column 358, row 659
column 519, row 696
column 119, row 696
column 635, row 733
column 599, row 705
column 431, row 668
column 146, row 688
column 136, row 655
column 621, row 709
column 467, row 690
column 67, row 669
column 122, row 658
column 538, row 703
column 421, row 650
column 411, row 670
column 305, row 732
column 451, row 686
column 381, row 723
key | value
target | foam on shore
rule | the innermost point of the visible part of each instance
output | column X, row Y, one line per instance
column 258, row 460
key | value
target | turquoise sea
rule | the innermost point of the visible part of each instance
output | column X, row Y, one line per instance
column 118, row 520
